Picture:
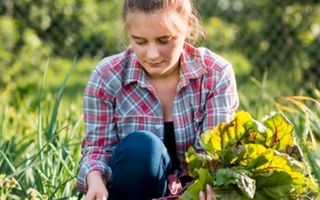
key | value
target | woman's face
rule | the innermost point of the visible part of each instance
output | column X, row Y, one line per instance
column 156, row 43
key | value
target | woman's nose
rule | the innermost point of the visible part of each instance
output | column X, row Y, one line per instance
column 152, row 52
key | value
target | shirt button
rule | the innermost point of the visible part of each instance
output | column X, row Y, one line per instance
column 158, row 126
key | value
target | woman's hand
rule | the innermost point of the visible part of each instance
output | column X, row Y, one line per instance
column 174, row 184
column 208, row 195
column 96, row 187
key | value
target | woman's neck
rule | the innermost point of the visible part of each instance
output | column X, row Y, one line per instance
column 166, row 88
column 168, row 75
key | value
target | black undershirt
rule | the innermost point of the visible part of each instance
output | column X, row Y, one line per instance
column 170, row 143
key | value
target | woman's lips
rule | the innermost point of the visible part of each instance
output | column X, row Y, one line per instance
column 154, row 64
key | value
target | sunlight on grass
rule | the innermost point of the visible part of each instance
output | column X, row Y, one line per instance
column 304, row 113
column 39, row 148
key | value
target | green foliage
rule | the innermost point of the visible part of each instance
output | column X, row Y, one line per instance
column 281, row 37
column 304, row 113
column 266, row 41
column 33, row 31
column 70, row 26
column 39, row 148
column 276, row 36
column 247, row 159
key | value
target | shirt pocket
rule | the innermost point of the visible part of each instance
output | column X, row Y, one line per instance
column 131, row 123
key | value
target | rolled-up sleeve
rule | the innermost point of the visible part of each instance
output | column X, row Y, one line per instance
column 223, row 101
column 222, row 98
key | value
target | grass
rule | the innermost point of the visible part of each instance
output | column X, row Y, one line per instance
column 304, row 113
column 41, row 132
column 40, row 148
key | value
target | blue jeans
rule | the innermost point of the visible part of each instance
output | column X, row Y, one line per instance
column 140, row 166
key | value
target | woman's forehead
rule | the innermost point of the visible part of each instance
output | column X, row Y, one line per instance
column 160, row 20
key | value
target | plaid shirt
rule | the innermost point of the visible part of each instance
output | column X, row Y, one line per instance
column 119, row 100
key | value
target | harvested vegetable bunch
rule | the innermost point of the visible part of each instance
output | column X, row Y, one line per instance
column 246, row 159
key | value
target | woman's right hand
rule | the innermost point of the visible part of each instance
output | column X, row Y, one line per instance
column 97, row 188
column 208, row 195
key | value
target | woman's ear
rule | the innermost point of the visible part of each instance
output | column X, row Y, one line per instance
column 190, row 25
column 190, row 21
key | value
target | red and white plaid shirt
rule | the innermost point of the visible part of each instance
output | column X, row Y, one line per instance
column 119, row 100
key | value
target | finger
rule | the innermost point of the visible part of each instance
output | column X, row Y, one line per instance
column 101, row 198
column 89, row 197
column 209, row 192
column 201, row 195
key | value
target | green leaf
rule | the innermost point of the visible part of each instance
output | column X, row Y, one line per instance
column 192, row 193
column 225, row 135
column 225, row 177
column 228, row 194
column 276, row 186
column 255, row 157
column 272, row 162
column 258, row 134
column 263, row 162
column 239, row 121
column 194, row 161
column 282, row 131
column 211, row 140
column 232, row 156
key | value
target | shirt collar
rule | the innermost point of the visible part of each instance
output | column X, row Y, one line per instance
column 191, row 62
column 133, row 69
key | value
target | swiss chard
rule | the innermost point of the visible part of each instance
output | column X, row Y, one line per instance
column 246, row 159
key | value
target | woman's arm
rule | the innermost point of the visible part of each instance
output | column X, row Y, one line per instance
column 100, row 137
column 222, row 100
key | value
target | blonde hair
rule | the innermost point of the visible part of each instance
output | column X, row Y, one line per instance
column 184, row 8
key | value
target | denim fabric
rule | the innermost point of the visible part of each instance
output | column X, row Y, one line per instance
column 140, row 165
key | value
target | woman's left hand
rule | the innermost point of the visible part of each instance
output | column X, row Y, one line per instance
column 208, row 195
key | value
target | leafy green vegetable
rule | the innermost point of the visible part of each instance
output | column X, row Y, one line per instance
column 246, row 159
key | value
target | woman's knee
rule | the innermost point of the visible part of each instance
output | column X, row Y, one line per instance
column 140, row 160
column 139, row 144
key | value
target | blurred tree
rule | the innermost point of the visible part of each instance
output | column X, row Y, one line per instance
column 33, row 31
column 70, row 27
column 280, row 36
column 311, row 72
column 276, row 36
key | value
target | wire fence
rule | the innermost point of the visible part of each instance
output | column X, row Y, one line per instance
column 256, row 36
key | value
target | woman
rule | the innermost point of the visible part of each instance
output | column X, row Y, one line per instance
column 144, row 107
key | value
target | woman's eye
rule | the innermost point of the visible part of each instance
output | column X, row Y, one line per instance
column 140, row 42
column 163, row 41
